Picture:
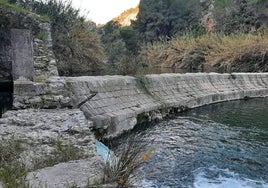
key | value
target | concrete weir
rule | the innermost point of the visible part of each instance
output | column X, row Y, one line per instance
column 116, row 103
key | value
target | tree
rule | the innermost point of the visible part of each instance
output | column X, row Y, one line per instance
column 130, row 37
column 159, row 19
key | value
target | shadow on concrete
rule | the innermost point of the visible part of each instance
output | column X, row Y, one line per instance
column 6, row 96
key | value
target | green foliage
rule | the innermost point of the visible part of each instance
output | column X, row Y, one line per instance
column 13, row 176
column 220, row 4
column 165, row 18
column 130, row 37
column 12, row 170
column 42, row 36
column 113, row 42
column 240, row 16
column 261, row 1
column 121, row 47
column 9, row 151
column 7, row 4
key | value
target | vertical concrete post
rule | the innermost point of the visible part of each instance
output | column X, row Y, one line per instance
column 22, row 49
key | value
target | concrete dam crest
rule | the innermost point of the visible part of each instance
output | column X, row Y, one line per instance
column 117, row 103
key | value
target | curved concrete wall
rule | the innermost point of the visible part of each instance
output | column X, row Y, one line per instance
column 115, row 102
column 112, row 102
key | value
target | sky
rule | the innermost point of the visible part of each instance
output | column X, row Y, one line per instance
column 102, row 11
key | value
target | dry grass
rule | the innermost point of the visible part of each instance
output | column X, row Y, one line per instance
column 130, row 156
column 217, row 48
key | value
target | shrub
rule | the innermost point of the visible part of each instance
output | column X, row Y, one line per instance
column 212, row 49
column 130, row 157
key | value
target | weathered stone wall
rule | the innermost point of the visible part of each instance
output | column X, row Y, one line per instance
column 50, row 94
column 44, row 60
column 117, row 103
column 198, row 89
column 112, row 102
column 42, row 54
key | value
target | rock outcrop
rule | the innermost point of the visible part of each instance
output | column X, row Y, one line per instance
column 49, row 137
column 127, row 17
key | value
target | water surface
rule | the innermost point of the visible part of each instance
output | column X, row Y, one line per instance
column 223, row 145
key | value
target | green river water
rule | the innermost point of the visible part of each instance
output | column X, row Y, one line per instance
column 224, row 145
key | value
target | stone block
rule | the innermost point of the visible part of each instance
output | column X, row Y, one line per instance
column 22, row 47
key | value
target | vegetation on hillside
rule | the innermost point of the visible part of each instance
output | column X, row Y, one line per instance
column 240, row 16
column 219, row 35
column 189, row 34
column 121, row 47
column 215, row 52
column 168, row 18
column 6, row 4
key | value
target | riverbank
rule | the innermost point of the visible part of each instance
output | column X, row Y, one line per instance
column 109, row 105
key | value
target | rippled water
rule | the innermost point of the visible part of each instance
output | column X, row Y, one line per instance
column 219, row 146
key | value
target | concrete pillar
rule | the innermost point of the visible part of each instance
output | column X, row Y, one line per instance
column 22, row 49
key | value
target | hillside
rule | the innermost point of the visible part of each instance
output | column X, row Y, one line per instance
column 205, row 35
column 158, row 18
column 127, row 16
column 192, row 35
